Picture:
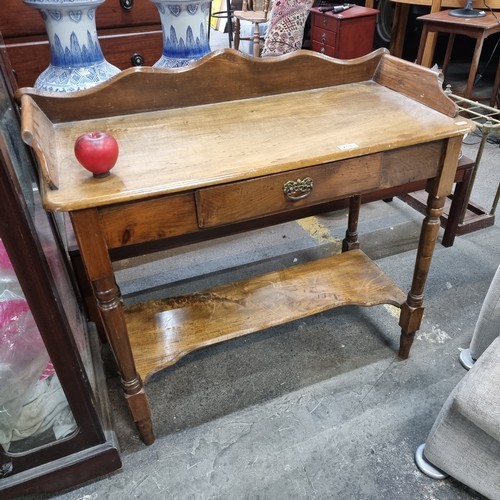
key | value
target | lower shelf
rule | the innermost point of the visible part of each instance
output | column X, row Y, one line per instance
column 163, row 331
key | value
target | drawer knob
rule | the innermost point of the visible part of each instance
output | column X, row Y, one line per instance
column 325, row 21
column 127, row 4
column 299, row 189
column 137, row 59
column 323, row 38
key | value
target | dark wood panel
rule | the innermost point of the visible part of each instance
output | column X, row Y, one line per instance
column 30, row 56
column 19, row 19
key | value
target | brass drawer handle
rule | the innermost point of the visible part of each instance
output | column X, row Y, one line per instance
column 299, row 189
column 325, row 21
column 323, row 38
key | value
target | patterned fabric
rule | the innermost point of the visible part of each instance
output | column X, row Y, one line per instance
column 286, row 27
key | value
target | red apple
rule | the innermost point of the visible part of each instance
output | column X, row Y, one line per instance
column 97, row 152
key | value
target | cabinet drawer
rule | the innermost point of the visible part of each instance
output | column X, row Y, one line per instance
column 265, row 195
column 129, row 48
column 323, row 49
column 148, row 220
column 325, row 22
column 31, row 55
column 323, row 37
column 19, row 19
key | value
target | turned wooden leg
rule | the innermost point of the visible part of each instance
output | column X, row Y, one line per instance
column 351, row 241
column 95, row 258
column 256, row 40
column 412, row 310
column 111, row 308
column 237, row 34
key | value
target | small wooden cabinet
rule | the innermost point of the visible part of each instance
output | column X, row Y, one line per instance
column 344, row 35
column 129, row 32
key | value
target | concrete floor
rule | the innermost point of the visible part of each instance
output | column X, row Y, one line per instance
column 320, row 408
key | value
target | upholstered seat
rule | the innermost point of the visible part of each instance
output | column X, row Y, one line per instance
column 464, row 441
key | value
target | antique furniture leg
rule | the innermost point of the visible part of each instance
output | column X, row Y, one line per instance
column 401, row 12
column 412, row 310
column 447, row 56
column 100, row 273
column 473, row 67
column 256, row 40
column 422, row 44
column 458, row 201
column 236, row 36
column 351, row 241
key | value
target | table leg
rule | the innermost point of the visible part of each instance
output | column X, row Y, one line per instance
column 399, row 29
column 496, row 85
column 351, row 241
column 473, row 67
column 99, row 270
column 256, row 40
column 447, row 56
column 412, row 310
column 421, row 46
column 458, row 201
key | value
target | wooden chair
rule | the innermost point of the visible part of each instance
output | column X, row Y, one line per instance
column 255, row 12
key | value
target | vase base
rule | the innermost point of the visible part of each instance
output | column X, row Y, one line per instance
column 60, row 79
column 175, row 62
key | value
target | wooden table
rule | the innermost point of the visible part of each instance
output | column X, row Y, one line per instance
column 203, row 156
column 401, row 19
column 478, row 28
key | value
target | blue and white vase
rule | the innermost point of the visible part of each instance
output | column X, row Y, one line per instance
column 185, row 31
column 76, row 59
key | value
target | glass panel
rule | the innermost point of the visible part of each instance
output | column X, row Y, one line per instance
column 33, row 408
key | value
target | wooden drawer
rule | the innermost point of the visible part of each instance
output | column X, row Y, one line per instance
column 328, row 50
column 325, row 22
column 30, row 56
column 265, row 195
column 122, row 49
column 323, row 36
column 149, row 220
column 19, row 19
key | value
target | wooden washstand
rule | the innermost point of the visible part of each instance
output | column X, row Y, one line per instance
column 232, row 143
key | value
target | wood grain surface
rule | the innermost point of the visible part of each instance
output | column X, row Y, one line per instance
column 163, row 331
column 172, row 150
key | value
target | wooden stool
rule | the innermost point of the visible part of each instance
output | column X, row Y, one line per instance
column 478, row 28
